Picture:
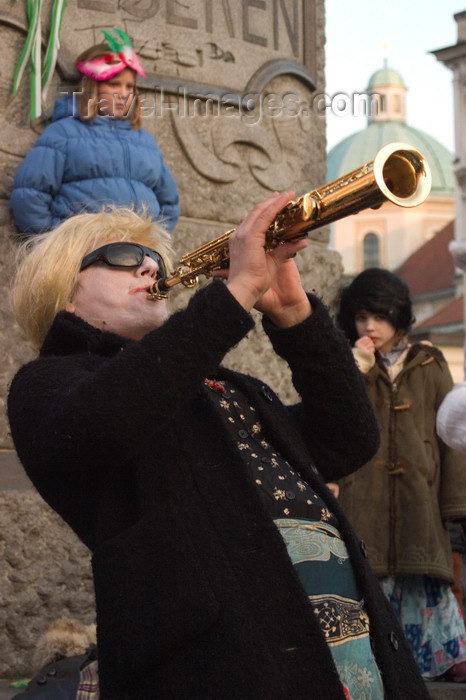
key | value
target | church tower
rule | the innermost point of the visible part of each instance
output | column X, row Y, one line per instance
column 387, row 93
column 386, row 237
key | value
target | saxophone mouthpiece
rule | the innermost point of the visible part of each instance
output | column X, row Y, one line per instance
column 158, row 290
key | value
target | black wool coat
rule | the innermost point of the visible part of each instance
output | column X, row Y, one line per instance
column 196, row 595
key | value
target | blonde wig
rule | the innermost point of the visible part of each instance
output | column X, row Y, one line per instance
column 88, row 103
column 48, row 264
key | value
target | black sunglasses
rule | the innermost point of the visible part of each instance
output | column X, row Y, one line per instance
column 124, row 255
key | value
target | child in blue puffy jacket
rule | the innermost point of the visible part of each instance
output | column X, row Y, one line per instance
column 95, row 153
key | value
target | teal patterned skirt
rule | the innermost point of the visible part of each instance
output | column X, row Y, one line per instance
column 322, row 563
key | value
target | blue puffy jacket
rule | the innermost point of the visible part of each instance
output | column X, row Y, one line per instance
column 78, row 166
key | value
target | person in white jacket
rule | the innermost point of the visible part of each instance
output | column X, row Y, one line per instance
column 451, row 418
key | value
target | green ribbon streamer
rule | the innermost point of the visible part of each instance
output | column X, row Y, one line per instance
column 32, row 50
column 35, row 109
column 33, row 12
column 52, row 46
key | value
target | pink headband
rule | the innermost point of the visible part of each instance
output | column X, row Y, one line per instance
column 122, row 56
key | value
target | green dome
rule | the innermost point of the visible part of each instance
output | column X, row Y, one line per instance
column 385, row 77
column 362, row 147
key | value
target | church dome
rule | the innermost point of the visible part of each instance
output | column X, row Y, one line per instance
column 389, row 126
column 385, row 77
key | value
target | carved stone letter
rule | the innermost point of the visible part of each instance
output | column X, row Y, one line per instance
column 247, row 36
column 132, row 6
column 179, row 20
column 291, row 30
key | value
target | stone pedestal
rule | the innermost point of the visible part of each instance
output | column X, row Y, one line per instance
column 228, row 97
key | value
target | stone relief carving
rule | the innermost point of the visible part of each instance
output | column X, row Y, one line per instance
column 197, row 37
column 267, row 141
column 160, row 53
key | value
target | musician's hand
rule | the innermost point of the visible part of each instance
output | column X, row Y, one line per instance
column 285, row 302
column 365, row 343
column 252, row 271
column 334, row 488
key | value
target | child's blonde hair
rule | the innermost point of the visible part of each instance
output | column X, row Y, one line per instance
column 48, row 264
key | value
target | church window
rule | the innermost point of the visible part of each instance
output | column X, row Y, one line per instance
column 371, row 246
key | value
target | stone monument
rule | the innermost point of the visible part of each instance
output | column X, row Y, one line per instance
column 230, row 98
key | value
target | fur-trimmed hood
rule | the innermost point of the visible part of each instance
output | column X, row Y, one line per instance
column 428, row 349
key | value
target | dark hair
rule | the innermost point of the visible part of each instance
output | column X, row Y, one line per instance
column 379, row 292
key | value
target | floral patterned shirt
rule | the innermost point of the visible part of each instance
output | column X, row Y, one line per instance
column 282, row 490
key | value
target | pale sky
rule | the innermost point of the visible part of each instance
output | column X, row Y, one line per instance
column 357, row 31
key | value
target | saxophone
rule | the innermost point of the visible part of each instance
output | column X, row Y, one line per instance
column 398, row 174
